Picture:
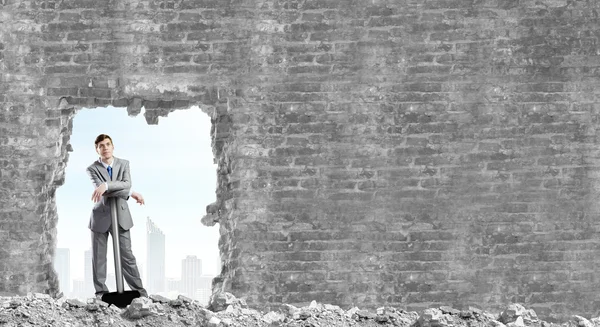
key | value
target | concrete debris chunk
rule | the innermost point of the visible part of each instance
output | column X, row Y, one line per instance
column 465, row 314
column 176, row 303
column 204, row 315
column 220, row 301
column 247, row 312
column 23, row 313
column 364, row 314
column 517, row 323
column 184, row 299
column 75, row 303
column 315, row 305
column 515, row 311
column 42, row 296
column 530, row 317
column 159, row 298
column 475, row 311
column 449, row 310
column 511, row 313
column 230, row 309
column 288, row 310
column 4, row 318
column 382, row 318
column 332, row 308
column 214, row 322
column 60, row 301
column 14, row 304
column 351, row 312
column 303, row 315
column 273, row 317
column 92, row 307
column 582, row 322
column 431, row 317
column 141, row 307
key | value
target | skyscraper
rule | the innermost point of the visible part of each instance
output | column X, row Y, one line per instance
column 79, row 289
column 173, row 285
column 155, row 257
column 87, row 273
column 203, row 290
column 62, row 266
column 191, row 269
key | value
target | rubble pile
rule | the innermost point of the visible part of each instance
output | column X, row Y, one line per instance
column 225, row 310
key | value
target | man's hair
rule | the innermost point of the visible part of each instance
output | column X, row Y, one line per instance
column 101, row 138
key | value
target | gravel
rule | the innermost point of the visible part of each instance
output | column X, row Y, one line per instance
column 225, row 310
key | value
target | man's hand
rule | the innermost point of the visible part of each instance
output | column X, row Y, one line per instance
column 138, row 197
column 97, row 195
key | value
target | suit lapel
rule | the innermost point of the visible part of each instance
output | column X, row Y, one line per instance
column 102, row 171
column 116, row 165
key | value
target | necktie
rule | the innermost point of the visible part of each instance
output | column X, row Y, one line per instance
column 109, row 171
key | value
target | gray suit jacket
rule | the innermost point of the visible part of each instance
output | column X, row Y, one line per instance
column 118, row 188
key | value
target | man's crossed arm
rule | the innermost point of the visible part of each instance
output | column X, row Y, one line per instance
column 120, row 188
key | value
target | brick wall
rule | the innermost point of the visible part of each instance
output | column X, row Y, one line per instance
column 403, row 153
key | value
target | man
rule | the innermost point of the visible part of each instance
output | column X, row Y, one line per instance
column 112, row 179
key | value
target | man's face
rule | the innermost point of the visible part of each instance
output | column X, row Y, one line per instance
column 105, row 149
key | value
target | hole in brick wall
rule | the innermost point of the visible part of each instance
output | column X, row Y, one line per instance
column 172, row 167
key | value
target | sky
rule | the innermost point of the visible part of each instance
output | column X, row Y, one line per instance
column 171, row 165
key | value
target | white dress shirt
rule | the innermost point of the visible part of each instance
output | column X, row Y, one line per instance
column 105, row 167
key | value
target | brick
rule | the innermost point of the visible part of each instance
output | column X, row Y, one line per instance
column 95, row 92
column 366, row 196
column 84, row 36
column 319, row 4
column 62, row 91
column 312, row 17
column 187, row 69
column 184, row 27
column 378, row 35
column 65, row 70
column 325, row 69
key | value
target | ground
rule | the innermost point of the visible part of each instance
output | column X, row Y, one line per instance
column 225, row 310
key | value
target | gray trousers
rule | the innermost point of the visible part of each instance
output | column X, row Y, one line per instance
column 128, row 263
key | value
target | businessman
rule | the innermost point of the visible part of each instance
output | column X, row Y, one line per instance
column 112, row 179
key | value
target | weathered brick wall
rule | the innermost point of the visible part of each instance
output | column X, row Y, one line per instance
column 402, row 152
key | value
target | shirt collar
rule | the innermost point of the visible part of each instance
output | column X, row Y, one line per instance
column 105, row 165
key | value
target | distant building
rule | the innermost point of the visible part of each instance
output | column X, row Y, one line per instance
column 204, row 291
column 155, row 258
column 191, row 270
column 173, row 285
column 79, row 290
column 62, row 266
column 87, row 273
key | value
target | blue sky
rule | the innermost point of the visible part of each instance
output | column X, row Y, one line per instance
column 171, row 166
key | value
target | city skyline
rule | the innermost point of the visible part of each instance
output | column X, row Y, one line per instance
column 171, row 166
column 192, row 283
